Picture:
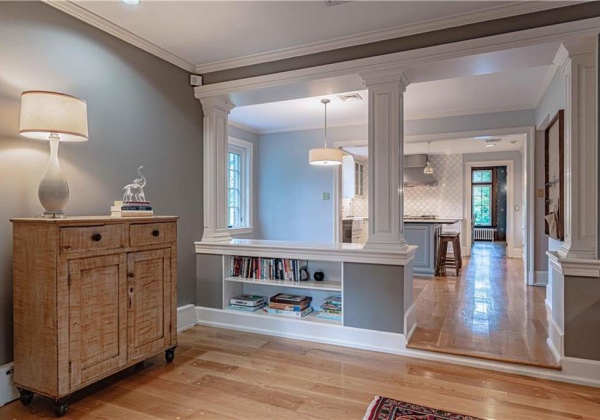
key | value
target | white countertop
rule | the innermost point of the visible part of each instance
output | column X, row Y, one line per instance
column 433, row 221
column 343, row 252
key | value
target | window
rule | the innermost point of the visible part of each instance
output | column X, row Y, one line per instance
column 482, row 197
column 239, row 186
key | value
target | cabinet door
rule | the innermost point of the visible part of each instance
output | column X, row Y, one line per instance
column 149, row 302
column 97, row 316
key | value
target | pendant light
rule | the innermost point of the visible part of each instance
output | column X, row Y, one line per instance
column 428, row 168
column 325, row 156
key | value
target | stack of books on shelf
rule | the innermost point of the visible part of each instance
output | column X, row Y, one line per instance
column 289, row 305
column 331, row 308
column 269, row 268
column 247, row 303
column 131, row 209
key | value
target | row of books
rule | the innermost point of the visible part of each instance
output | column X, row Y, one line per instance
column 269, row 268
column 288, row 305
column 131, row 209
column 331, row 308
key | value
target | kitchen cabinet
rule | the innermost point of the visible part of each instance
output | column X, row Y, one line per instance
column 92, row 296
column 353, row 177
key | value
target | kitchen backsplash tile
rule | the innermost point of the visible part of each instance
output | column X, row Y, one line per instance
column 444, row 199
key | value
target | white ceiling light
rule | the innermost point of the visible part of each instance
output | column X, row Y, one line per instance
column 133, row 2
column 325, row 156
column 428, row 168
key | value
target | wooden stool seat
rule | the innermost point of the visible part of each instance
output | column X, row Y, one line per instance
column 443, row 260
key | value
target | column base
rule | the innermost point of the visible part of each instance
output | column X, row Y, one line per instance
column 569, row 252
column 216, row 237
column 400, row 245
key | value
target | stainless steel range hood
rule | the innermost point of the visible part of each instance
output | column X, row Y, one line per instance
column 413, row 171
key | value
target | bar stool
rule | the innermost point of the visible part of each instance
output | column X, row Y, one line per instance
column 443, row 260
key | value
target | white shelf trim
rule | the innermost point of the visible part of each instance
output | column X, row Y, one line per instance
column 310, row 284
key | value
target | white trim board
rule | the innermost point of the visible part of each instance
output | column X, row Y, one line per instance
column 186, row 317
column 8, row 392
column 577, row 371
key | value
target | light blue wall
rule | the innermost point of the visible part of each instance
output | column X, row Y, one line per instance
column 552, row 101
column 290, row 191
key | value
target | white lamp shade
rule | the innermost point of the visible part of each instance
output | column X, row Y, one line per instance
column 325, row 157
column 45, row 113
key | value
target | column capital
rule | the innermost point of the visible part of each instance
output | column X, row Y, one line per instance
column 216, row 103
column 387, row 75
column 573, row 48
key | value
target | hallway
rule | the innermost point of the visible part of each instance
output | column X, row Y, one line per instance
column 486, row 312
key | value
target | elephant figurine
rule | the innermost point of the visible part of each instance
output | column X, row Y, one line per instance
column 135, row 190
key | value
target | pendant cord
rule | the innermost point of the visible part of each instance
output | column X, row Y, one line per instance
column 325, row 125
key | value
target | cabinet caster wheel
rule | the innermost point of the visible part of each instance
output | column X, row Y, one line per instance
column 170, row 355
column 25, row 396
column 60, row 409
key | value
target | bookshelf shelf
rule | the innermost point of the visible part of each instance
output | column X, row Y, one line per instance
column 312, row 317
column 335, row 286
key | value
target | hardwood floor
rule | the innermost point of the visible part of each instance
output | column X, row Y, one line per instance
column 486, row 312
column 223, row 374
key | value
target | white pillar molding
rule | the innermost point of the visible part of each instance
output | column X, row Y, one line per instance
column 216, row 115
column 577, row 62
column 386, row 154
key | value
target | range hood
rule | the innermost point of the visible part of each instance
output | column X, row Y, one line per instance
column 413, row 171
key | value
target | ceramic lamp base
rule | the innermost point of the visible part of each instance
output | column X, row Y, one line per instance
column 53, row 191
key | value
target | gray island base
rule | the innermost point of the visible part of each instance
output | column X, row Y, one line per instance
column 424, row 234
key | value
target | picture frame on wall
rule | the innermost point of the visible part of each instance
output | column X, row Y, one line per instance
column 554, row 177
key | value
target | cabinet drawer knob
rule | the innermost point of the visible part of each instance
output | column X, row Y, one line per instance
column 155, row 232
column 96, row 237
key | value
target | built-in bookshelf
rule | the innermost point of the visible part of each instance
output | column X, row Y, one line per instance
column 244, row 275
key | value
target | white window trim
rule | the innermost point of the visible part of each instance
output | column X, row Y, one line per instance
column 246, row 181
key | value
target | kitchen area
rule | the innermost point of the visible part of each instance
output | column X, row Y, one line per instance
column 432, row 202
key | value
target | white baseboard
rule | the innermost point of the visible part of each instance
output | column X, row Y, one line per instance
column 410, row 322
column 303, row 330
column 516, row 253
column 576, row 369
column 186, row 317
column 8, row 392
column 555, row 339
column 540, row 278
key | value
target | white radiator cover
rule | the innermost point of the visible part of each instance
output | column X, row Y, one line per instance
column 484, row 234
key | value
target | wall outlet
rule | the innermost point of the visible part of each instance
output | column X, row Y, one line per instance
column 326, row 196
column 8, row 392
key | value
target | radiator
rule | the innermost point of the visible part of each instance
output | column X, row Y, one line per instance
column 484, row 234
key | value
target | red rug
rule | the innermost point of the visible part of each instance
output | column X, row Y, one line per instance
column 388, row 409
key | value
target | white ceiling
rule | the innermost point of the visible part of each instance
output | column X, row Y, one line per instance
column 205, row 32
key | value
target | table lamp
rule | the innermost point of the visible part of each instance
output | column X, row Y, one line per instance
column 54, row 117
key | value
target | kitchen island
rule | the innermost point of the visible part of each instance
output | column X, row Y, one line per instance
column 424, row 233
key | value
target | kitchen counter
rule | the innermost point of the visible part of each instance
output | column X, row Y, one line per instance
column 432, row 221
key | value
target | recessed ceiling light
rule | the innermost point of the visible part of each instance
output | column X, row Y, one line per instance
column 133, row 2
column 489, row 145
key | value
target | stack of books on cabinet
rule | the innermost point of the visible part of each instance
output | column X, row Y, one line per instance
column 331, row 308
column 131, row 209
column 296, row 306
column 247, row 303
column 268, row 268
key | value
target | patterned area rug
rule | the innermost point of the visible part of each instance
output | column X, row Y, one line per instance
column 388, row 409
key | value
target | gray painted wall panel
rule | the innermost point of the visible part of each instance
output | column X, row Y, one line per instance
column 582, row 317
column 141, row 111
column 209, row 277
column 374, row 296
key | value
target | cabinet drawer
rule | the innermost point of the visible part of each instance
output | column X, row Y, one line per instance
column 91, row 238
column 152, row 233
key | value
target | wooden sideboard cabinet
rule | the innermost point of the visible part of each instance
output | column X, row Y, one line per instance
column 91, row 296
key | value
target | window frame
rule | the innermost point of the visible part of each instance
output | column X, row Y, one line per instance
column 491, row 204
column 246, row 151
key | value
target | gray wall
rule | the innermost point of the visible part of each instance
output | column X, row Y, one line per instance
column 141, row 111
column 517, row 181
column 582, row 317
column 290, row 190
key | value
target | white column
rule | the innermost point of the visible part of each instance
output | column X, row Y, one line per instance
column 386, row 154
column 577, row 62
column 216, row 116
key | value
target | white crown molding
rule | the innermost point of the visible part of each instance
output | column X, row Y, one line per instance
column 382, row 35
column 246, row 128
column 92, row 19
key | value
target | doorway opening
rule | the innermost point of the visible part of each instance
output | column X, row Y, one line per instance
column 489, row 189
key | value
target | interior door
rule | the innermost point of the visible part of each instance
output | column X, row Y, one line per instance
column 149, row 298
column 97, row 316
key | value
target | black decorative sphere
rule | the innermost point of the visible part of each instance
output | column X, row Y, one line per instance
column 319, row 275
